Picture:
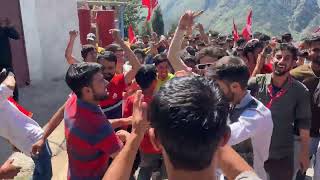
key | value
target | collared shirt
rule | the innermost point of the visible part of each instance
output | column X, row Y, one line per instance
column 255, row 123
column 90, row 140
column 112, row 106
column 18, row 128
column 160, row 82
column 292, row 107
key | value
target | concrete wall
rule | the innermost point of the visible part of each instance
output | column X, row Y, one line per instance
column 32, row 41
column 46, row 26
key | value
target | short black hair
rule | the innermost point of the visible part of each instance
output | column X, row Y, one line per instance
column 241, row 42
column 286, row 37
column 189, row 117
column 251, row 46
column 191, row 50
column 264, row 38
column 86, row 49
column 160, row 58
column 113, row 48
column 231, row 69
column 140, row 51
column 189, row 59
column 79, row 75
column 214, row 52
column 146, row 75
column 108, row 56
column 287, row 47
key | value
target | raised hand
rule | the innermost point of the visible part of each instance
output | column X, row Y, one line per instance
column 123, row 135
column 73, row 34
column 115, row 35
column 139, row 120
column 186, row 20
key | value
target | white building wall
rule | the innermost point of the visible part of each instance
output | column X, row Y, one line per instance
column 46, row 28
column 32, row 41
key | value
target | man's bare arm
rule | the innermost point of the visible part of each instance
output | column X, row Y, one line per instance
column 69, row 49
column 116, row 123
column 48, row 129
column 231, row 163
column 121, row 166
column 134, row 61
column 304, row 151
column 175, row 47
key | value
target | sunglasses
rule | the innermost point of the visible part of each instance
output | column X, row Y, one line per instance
column 203, row 66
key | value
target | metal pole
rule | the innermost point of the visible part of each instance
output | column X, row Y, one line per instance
column 121, row 20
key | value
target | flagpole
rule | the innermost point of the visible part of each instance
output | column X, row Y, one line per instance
column 251, row 22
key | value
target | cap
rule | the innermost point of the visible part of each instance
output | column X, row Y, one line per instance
column 91, row 37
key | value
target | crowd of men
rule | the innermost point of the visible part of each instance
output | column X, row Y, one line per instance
column 192, row 105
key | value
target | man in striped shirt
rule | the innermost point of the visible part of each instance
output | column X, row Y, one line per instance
column 90, row 138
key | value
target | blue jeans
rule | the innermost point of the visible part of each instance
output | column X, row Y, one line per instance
column 43, row 168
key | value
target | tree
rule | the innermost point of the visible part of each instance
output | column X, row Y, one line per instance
column 157, row 22
column 132, row 14
column 172, row 29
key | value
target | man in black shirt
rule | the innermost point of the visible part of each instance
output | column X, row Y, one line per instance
column 7, row 31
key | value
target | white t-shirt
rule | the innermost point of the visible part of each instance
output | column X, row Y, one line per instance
column 255, row 123
column 16, row 127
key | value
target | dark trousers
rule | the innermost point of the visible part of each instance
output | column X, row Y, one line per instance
column 279, row 168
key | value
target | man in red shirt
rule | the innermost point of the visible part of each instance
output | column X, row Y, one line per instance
column 90, row 138
column 118, row 83
column 151, row 159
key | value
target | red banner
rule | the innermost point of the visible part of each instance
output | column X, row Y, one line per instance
column 84, row 24
column 105, row 22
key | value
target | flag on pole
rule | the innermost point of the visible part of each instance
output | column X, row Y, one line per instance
column 235, row 32
column 132, row 36
column 151, row 5
column 247, row 32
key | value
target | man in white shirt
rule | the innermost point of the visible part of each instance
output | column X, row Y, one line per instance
column 22, row 131
column 250, row 121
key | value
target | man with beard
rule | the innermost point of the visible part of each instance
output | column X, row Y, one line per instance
column 289, row 103
column 113, row 103
column 309, row 74
column 250, row 121
column 90, row 138
column 112, row 106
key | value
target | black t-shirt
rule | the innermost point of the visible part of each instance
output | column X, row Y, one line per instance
column 5, row 50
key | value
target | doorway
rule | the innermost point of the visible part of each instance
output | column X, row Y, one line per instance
column 11, row 9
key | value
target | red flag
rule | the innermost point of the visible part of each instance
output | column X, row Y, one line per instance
column 318, row 30
column 235, row 32
column 132, row 36
column 151, row 5
column 246, row 32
